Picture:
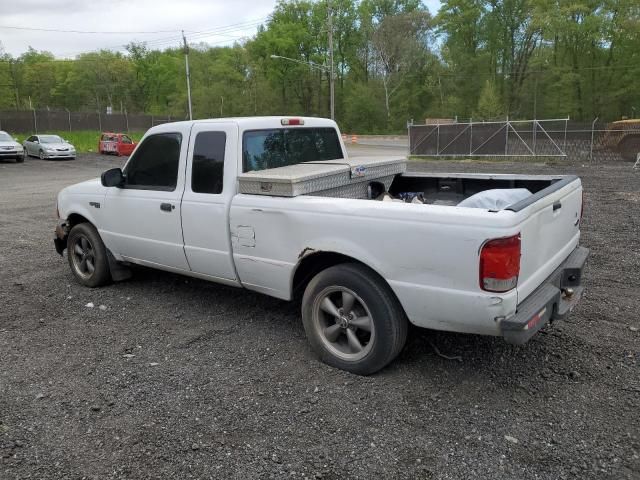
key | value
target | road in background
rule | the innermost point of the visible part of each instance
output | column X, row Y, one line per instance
column 387, row 148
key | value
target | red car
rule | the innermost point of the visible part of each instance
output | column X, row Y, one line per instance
column 116, row 143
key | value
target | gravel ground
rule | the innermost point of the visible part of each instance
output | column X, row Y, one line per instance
column 170, row 377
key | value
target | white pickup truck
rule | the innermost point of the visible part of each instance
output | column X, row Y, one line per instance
column 364, row 268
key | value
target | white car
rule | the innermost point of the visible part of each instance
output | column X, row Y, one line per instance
column 10, row 148
column 48, row 147
column 365, row 268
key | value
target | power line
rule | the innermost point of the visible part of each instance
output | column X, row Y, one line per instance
column 158, row 42
column 112, row 32
column 220, row 31
column 93, row 60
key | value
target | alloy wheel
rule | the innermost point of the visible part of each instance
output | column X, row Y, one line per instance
column 83, row 256
column 343, row 323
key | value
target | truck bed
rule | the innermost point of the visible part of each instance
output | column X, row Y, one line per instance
column 452, row 188
column 438, row 288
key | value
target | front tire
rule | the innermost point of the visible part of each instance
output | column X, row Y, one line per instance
column 88, row 256
column 352, row 319
column 20, row 159
column 41, row 155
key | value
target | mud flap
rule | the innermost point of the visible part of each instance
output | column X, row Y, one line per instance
column 119, row 271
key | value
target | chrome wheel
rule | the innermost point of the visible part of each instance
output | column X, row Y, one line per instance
column 83, row 256
column 343, row 323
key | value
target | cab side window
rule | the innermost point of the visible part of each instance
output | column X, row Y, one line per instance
column 155, row 164
column 207, row 170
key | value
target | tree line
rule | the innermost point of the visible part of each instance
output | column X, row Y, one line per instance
column 393, row 62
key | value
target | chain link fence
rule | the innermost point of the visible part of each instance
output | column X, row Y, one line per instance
column 561, row 138
column 42, row 121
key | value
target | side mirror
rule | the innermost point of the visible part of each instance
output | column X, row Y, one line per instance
column 112, row 178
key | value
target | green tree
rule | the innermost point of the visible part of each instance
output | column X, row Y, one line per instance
column 489, row 104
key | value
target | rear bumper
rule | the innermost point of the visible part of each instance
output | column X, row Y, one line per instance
column 553, row 300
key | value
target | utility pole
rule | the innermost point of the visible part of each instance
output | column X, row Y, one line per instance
column 186, row 63
column 332, row 92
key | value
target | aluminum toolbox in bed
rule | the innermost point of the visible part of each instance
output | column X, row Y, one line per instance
column 336, row 178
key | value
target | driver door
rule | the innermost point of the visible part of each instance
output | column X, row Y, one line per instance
column 142, row 218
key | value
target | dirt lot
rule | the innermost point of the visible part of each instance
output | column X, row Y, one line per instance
column 178, row 378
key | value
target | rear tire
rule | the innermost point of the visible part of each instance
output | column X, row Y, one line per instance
column 87, row 256
column 352, row 319
column 629, row 148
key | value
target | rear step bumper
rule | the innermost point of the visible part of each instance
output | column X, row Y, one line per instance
column 553, row 300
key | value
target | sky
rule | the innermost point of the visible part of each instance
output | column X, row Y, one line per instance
column 158, row 22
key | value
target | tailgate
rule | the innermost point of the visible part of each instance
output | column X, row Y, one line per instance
column 550, row 232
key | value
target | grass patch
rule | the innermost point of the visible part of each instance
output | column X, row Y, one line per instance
column 85, row 141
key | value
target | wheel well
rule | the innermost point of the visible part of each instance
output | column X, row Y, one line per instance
column 75, row 219
column 314, row 263
column 628, row 137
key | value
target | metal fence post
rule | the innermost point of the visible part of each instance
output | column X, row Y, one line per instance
column 69, row 114
column 566, row 125
column 535, row 133
column 593, row 126
column 506, row 140
column 35, row 121
column 470, row 136
column 126, row 119
column 99, row 121
column 438, row 140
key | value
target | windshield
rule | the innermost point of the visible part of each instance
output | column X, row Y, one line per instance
column 5, row 137
column 50, row 139
column 279, row 147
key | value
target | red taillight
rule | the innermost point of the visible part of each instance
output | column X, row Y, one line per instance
column 292, row 121
column 500, row 264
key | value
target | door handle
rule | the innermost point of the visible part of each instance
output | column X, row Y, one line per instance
column 166, row 207
column 557, row 206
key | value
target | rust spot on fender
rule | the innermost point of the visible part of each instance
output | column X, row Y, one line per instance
column 305, row 252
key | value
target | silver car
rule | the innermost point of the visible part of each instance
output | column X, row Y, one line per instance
column 48, row 146
column 9, row 148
